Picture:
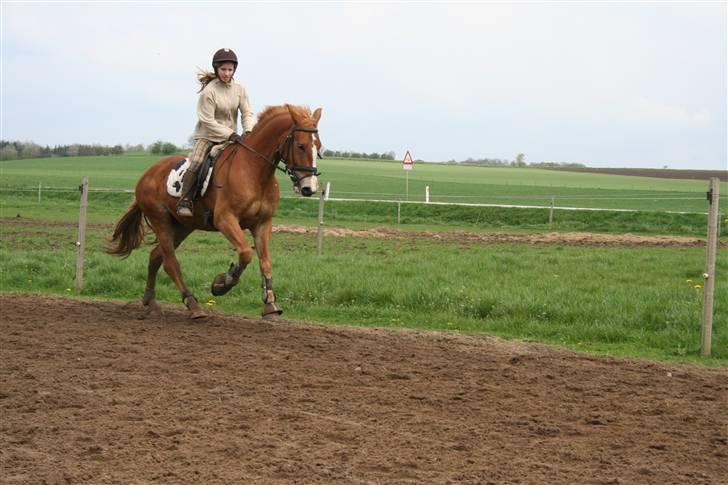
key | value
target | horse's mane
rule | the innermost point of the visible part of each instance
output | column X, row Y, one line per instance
column 271, row 112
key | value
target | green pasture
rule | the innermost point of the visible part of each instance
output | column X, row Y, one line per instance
column 385, row 180
column 644, row 302
column 107, row 207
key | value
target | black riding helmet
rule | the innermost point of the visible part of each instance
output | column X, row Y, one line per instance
column 224, row 55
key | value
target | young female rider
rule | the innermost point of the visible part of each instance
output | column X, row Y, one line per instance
column 220, row 99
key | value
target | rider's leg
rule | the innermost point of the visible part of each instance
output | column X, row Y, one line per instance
column 199, row 152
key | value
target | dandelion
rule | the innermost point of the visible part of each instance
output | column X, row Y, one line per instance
column 697, row 287
column 210, row 302
column 68, row 289
column 689, row 281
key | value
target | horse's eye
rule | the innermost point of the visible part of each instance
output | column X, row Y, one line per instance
column 302, row 147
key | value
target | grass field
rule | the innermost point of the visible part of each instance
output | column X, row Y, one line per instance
column 642, row 302
column 354, row 179
column 620, row 301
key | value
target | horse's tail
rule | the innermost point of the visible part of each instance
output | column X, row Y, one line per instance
column 129, row 232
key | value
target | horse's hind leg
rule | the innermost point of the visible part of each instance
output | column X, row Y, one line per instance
column 155, row 262
column 169, row 237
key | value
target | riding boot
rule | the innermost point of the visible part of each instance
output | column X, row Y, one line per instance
column 184, row 206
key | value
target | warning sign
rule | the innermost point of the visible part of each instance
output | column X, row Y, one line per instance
column 407, row 163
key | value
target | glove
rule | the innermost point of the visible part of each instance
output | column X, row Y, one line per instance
column 234, row 137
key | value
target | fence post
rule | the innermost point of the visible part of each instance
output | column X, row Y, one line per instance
column 551, row 212
column 81, row 241
column 40, row 184
column 427, row 194
column 320, row 237
column 399, row 210
column 327, row 193
column 709, row 274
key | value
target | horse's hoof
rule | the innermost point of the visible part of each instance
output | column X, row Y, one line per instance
column 271, row 311
column 198, row 314
column 219, row 287
column 152, row 307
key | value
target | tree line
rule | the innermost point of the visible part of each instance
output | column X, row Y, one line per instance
column 347, row 154
column 19, row 150
column 519, row 161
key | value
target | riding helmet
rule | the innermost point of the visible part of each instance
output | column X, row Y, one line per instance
column 224, row 55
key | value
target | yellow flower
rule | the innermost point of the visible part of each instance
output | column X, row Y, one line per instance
column 697, row 286
column 689, row 281
column 68, row 289
column 210, row 302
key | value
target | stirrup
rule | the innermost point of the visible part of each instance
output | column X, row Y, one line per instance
column 184, row 208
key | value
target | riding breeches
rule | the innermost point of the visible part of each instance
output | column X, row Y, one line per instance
column 199, row 152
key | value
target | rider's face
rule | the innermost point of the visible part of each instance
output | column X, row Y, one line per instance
column 225, row 71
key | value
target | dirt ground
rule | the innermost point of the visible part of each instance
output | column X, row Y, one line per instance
column 100, row 392
column 556, row 238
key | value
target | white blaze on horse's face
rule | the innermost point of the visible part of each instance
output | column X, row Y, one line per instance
column 309, row 185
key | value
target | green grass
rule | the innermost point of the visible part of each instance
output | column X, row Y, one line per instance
column 617, row 301
column 355, row 179
column 108, row 207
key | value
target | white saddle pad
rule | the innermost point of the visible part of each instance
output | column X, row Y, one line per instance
column 174, row 179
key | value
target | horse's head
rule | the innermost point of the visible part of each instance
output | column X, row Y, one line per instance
column 301, row 149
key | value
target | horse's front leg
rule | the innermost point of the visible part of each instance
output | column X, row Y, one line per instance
column 230, row 227
column 262, row 236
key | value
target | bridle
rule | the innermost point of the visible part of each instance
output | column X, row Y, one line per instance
column 287, row 147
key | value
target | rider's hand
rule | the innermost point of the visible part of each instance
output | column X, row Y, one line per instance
column 234, row 137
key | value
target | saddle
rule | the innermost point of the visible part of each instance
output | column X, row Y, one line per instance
column 174, row 179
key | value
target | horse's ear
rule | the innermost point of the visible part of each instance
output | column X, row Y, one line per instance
column 294, row 114
column 317, row 116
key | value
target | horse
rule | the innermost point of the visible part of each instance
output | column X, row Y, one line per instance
column 243, row 194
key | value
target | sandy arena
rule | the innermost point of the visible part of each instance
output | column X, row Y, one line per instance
column 99, row 392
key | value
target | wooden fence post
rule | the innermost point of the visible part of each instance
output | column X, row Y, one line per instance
column 81, row 241
column 551, row 213
column 40, row 184
column 320, row 238
column 709, row 274
column 399, row 210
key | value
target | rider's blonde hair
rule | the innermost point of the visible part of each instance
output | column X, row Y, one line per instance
column 205, row 77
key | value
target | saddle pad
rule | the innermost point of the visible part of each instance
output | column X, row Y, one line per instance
column 174, row 179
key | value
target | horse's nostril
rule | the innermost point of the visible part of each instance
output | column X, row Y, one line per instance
column 306, row 192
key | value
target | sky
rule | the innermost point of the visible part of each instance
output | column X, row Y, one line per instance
column 606, row 84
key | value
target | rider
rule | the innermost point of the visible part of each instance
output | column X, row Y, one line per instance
column 217, row 110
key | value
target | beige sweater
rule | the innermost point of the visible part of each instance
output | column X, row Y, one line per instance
column 217, row 111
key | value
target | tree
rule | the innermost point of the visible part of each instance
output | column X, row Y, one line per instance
column 8, row 152
column 30, row 150
column 520, row 160
column 169, row 148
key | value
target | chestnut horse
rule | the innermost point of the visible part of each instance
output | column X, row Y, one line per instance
column 243, row 194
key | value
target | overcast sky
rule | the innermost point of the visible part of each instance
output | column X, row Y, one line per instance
column 621, row 84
